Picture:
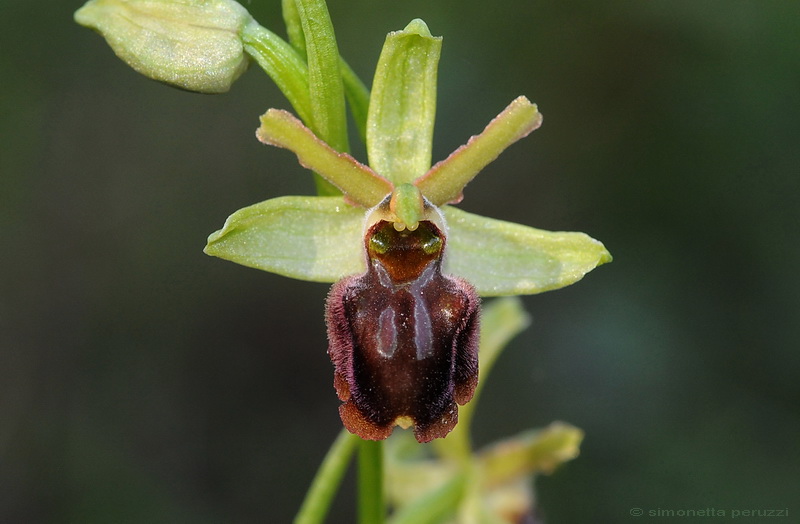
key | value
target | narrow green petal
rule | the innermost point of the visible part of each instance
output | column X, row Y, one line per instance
column 444, row 183
column 503, row 258
column 403, row 104
column 283, row 63
column 362, row 185
column 309, row 238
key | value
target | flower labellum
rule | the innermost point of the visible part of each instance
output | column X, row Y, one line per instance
column 403, row 336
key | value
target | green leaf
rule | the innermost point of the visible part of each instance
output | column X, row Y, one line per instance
column 444, row 183
column 501, row 320
column 503, row 258
column 193, row 44
column 309, row 238
column 403, row 104
column 362, row 185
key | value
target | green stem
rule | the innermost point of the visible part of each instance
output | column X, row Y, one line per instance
column 357, row 95
column 294, row 27
column 370, row 483
column 326, row 482
column 324, row 75
column 283, row 64
column 355, row 90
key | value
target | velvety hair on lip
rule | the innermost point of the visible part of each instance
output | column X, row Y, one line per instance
column 403, row 337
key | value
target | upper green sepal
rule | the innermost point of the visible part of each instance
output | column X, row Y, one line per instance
column 402, row 106
column 191, row 44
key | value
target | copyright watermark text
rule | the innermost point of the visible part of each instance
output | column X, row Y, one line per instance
column 729, row 513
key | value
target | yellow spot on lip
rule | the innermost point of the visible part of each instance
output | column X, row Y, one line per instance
column 404, row 422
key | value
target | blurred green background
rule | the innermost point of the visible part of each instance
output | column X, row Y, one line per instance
column 142, row 381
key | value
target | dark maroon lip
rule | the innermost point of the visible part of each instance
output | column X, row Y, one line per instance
column 403, row 337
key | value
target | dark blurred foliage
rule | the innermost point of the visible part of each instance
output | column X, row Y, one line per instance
column 142, row 381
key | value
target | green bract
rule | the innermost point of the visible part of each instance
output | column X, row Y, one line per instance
column 192, row 44
column 321, row 238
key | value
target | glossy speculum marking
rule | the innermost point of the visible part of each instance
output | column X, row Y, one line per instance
column 403, row 336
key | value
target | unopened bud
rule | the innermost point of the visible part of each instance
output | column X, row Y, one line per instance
column 191, row 44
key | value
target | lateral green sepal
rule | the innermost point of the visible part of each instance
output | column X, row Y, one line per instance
column 309, row 238
column 504, row 258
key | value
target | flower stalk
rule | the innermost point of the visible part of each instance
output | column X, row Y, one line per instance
column 326, row 482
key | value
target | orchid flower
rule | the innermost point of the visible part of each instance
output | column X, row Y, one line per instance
column 408, row 265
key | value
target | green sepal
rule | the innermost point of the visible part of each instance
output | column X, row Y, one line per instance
column 308, row 238
column 435, row 505
column 504, row 258
column 444, row 183
column 321, row 239
column 192, row 44
column 402, row 106
column 361, row 185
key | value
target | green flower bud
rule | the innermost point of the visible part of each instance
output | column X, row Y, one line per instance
column 191, row 44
